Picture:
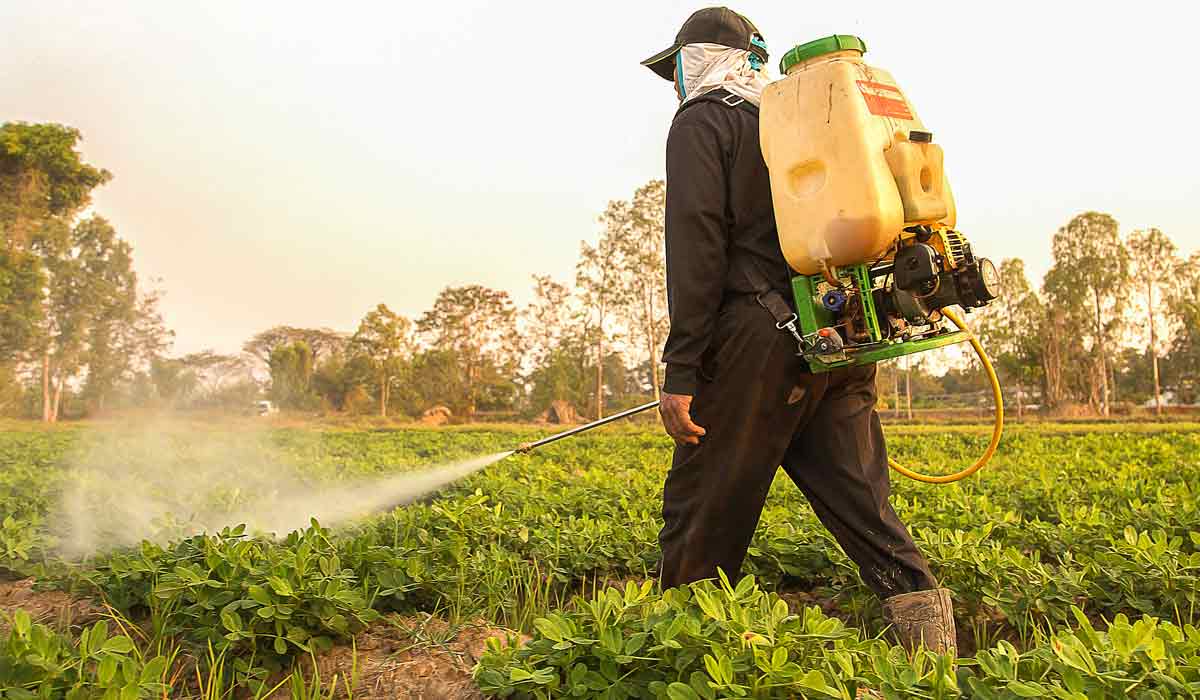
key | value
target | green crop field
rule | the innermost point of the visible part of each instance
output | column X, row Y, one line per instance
column 1074, row 560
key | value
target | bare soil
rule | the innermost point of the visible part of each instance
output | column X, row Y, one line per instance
column 52, row 608
column 421, row 658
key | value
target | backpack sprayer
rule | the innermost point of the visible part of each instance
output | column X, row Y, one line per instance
column 866, row 217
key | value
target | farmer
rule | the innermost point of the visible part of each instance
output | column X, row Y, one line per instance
column 736, row 398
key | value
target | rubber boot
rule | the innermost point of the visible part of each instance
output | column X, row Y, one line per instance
column 922, row 619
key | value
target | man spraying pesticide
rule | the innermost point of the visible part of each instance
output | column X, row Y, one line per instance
column 809, row 234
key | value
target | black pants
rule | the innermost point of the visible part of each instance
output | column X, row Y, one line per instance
column 762, row 410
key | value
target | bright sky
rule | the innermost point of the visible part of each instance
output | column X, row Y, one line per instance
column 297, row 163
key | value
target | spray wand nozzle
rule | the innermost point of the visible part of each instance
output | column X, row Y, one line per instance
column 525, row 448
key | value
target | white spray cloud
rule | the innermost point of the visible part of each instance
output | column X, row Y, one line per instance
column 165, row 481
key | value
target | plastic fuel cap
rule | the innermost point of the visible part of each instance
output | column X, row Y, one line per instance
column 820, row 47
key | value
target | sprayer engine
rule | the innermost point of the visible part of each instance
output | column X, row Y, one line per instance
column 893, row 306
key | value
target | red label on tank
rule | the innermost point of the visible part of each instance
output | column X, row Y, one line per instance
column 885, row 100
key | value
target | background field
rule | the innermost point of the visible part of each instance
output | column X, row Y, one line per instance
column 1073, row 529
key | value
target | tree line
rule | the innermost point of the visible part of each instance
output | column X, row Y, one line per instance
column 1115, row 321
column 79, row 330
column 593, row 344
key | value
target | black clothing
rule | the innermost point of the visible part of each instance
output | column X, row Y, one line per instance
column 761, row 410
column 751, row 392
column 719, row 217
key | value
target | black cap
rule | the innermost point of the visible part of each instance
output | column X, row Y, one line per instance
column 712, row 25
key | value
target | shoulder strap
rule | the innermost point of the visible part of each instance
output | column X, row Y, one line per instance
column 766, row 294
column 724, row 97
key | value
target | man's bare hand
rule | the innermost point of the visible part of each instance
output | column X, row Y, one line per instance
column 677, row 419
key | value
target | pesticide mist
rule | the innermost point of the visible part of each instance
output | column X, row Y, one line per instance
column 164, row 482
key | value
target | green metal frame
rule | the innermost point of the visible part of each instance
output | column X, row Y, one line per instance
column 813, row 316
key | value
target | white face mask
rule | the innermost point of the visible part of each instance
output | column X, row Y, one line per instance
column 702, row 68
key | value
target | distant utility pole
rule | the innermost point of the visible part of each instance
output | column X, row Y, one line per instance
column 896, row 390
column 908, row 384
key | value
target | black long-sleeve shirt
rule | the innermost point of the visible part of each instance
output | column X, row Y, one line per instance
column 719, row 218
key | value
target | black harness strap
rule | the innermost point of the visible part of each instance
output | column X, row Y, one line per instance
column 766, row 294
column 723, row 96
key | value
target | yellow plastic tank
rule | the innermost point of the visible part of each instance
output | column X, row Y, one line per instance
column 851, row 163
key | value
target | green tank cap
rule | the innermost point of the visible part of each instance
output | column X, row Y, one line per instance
column 820, row 47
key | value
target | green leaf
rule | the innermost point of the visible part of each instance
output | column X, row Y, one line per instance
column 779, row 659
column 1027, row 689
column 710, row 605
column 118, row 645
column 260, row 595
column 548, row 628
column 635, row 643
column 815, row 680
column 713, row 666
column 22, row 622
column 280, row 586
column 700, row 684
column 107, row 671
column 680, row 691
column 154, row 670
column 1073, row 654
column 517, row 675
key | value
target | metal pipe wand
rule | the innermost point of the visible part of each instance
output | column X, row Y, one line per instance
column 588, row 426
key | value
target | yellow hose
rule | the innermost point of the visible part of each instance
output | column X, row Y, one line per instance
column 997, row 428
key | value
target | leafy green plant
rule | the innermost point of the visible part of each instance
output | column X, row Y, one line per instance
column 1104, row 520
column 39, row 663
column 708, row 640
column 254, row 595
column 1145, row 659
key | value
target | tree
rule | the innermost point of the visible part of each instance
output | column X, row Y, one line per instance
column 1183, row 302
column 291, row 373
column 216, row 372
column 173, row 380
column 1010, row 328
column 1154, row 261
column 1088, row 284
column 548, row 318
column 93, row 318
column 436, row 380
column 638, row 238
column 21, row 283
column 322, row 342
column 558, row 363
column 386, row 340
column 342, row 381
column 41, row 178
column 12, row 394
column 124, row 328
column 595, row 276
column 477, row 326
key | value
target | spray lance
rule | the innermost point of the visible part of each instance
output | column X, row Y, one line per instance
column 525, row 448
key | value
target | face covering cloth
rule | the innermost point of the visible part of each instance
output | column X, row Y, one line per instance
column 702, row 68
